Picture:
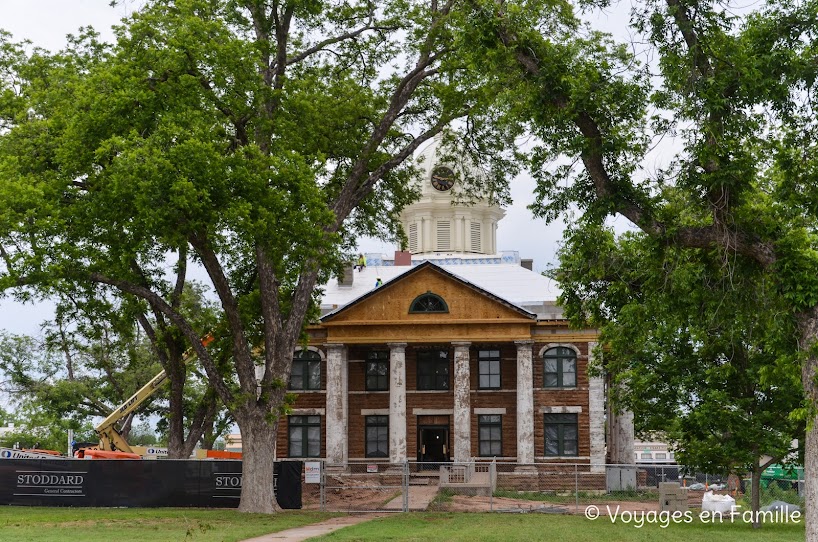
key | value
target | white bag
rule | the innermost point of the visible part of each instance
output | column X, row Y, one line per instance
column 718, row 503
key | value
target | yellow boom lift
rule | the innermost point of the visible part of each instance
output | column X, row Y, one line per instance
column 109, row 437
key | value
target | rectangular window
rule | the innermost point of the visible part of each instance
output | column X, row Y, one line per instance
column 305, row 436
column 561, row 435
column 433, row 370
column 488, row 362
column 661, row 455
column 647, row 455
column 377, row 371
column 306, row 373
column 560, row 368
column 377, row 436
column 490, row 435
column 413, row 238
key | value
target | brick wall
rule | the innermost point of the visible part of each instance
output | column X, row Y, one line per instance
column 506, row 397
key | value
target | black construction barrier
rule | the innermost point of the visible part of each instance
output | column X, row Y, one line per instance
column 160, row 483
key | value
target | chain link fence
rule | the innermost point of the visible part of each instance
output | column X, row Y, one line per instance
column 556, row 488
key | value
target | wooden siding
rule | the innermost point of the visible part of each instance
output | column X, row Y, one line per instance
column 392, row 301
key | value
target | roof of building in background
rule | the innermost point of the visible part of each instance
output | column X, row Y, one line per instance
column 501, row 275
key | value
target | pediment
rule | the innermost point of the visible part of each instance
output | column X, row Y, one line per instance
column 464, row 301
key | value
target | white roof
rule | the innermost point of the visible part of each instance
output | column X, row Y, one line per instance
column 509, row 281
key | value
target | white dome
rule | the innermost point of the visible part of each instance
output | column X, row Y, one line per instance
column 434, row 223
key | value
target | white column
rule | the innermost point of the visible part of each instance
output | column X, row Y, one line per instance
column 337, row 405
column 428, row 228
column 457, row 233
column 620, row 436
column 462, row 403
column 525, row 402
column 397, row 402
column 596, row 415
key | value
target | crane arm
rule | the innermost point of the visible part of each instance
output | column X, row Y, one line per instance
column 109, row 438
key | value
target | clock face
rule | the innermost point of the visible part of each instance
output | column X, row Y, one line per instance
column 442, row 178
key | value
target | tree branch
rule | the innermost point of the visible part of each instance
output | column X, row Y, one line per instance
column 192, row 335
column 151, row 333
column 685, row 25
column 176, row 296
column 241, row 350
column 716, row 235
column 330, row 41
column 270, row 311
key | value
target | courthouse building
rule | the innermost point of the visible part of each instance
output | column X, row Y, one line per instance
column 461, row 353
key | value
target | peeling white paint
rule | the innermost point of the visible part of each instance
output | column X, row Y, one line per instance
column 596, row 413
column 620, row 443
column 560, row 410
column 432, row 411
column 525, row 402
column 462, row 403
column 397, row 402
column 500, row 411
column 337, row 404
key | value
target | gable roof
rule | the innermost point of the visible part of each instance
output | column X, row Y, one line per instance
column 408, row 271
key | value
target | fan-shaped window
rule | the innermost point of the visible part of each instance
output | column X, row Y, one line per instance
column 428, row 302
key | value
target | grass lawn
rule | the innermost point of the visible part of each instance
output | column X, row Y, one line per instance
column 25, row 524
column 512, row 527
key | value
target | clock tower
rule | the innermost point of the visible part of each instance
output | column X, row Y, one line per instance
column 435, row 223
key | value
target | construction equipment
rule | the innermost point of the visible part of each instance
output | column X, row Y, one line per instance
column 109, row 437
column 87, row 453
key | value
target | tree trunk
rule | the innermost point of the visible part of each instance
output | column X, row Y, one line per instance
column 808, row 330
column 258, row 436
column 755, row 497
column 202, row 420
column 208, row 439
column 176, row 422
column 811, row 450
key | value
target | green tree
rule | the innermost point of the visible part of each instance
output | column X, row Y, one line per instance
column 93, row 358
column 256, row 138
column 142, row 434
column 736, row 89
column 38, row 428
column 116, row 334
column 697, row 351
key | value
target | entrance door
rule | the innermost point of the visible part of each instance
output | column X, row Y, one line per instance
column 433, row 445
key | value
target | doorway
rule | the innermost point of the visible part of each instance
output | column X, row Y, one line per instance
column 433, row 445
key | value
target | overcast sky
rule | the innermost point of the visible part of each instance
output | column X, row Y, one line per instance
column 46, row 23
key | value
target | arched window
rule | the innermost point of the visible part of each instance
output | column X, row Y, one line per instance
column 560, row 368
column 428, row 302
column 306, row 373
